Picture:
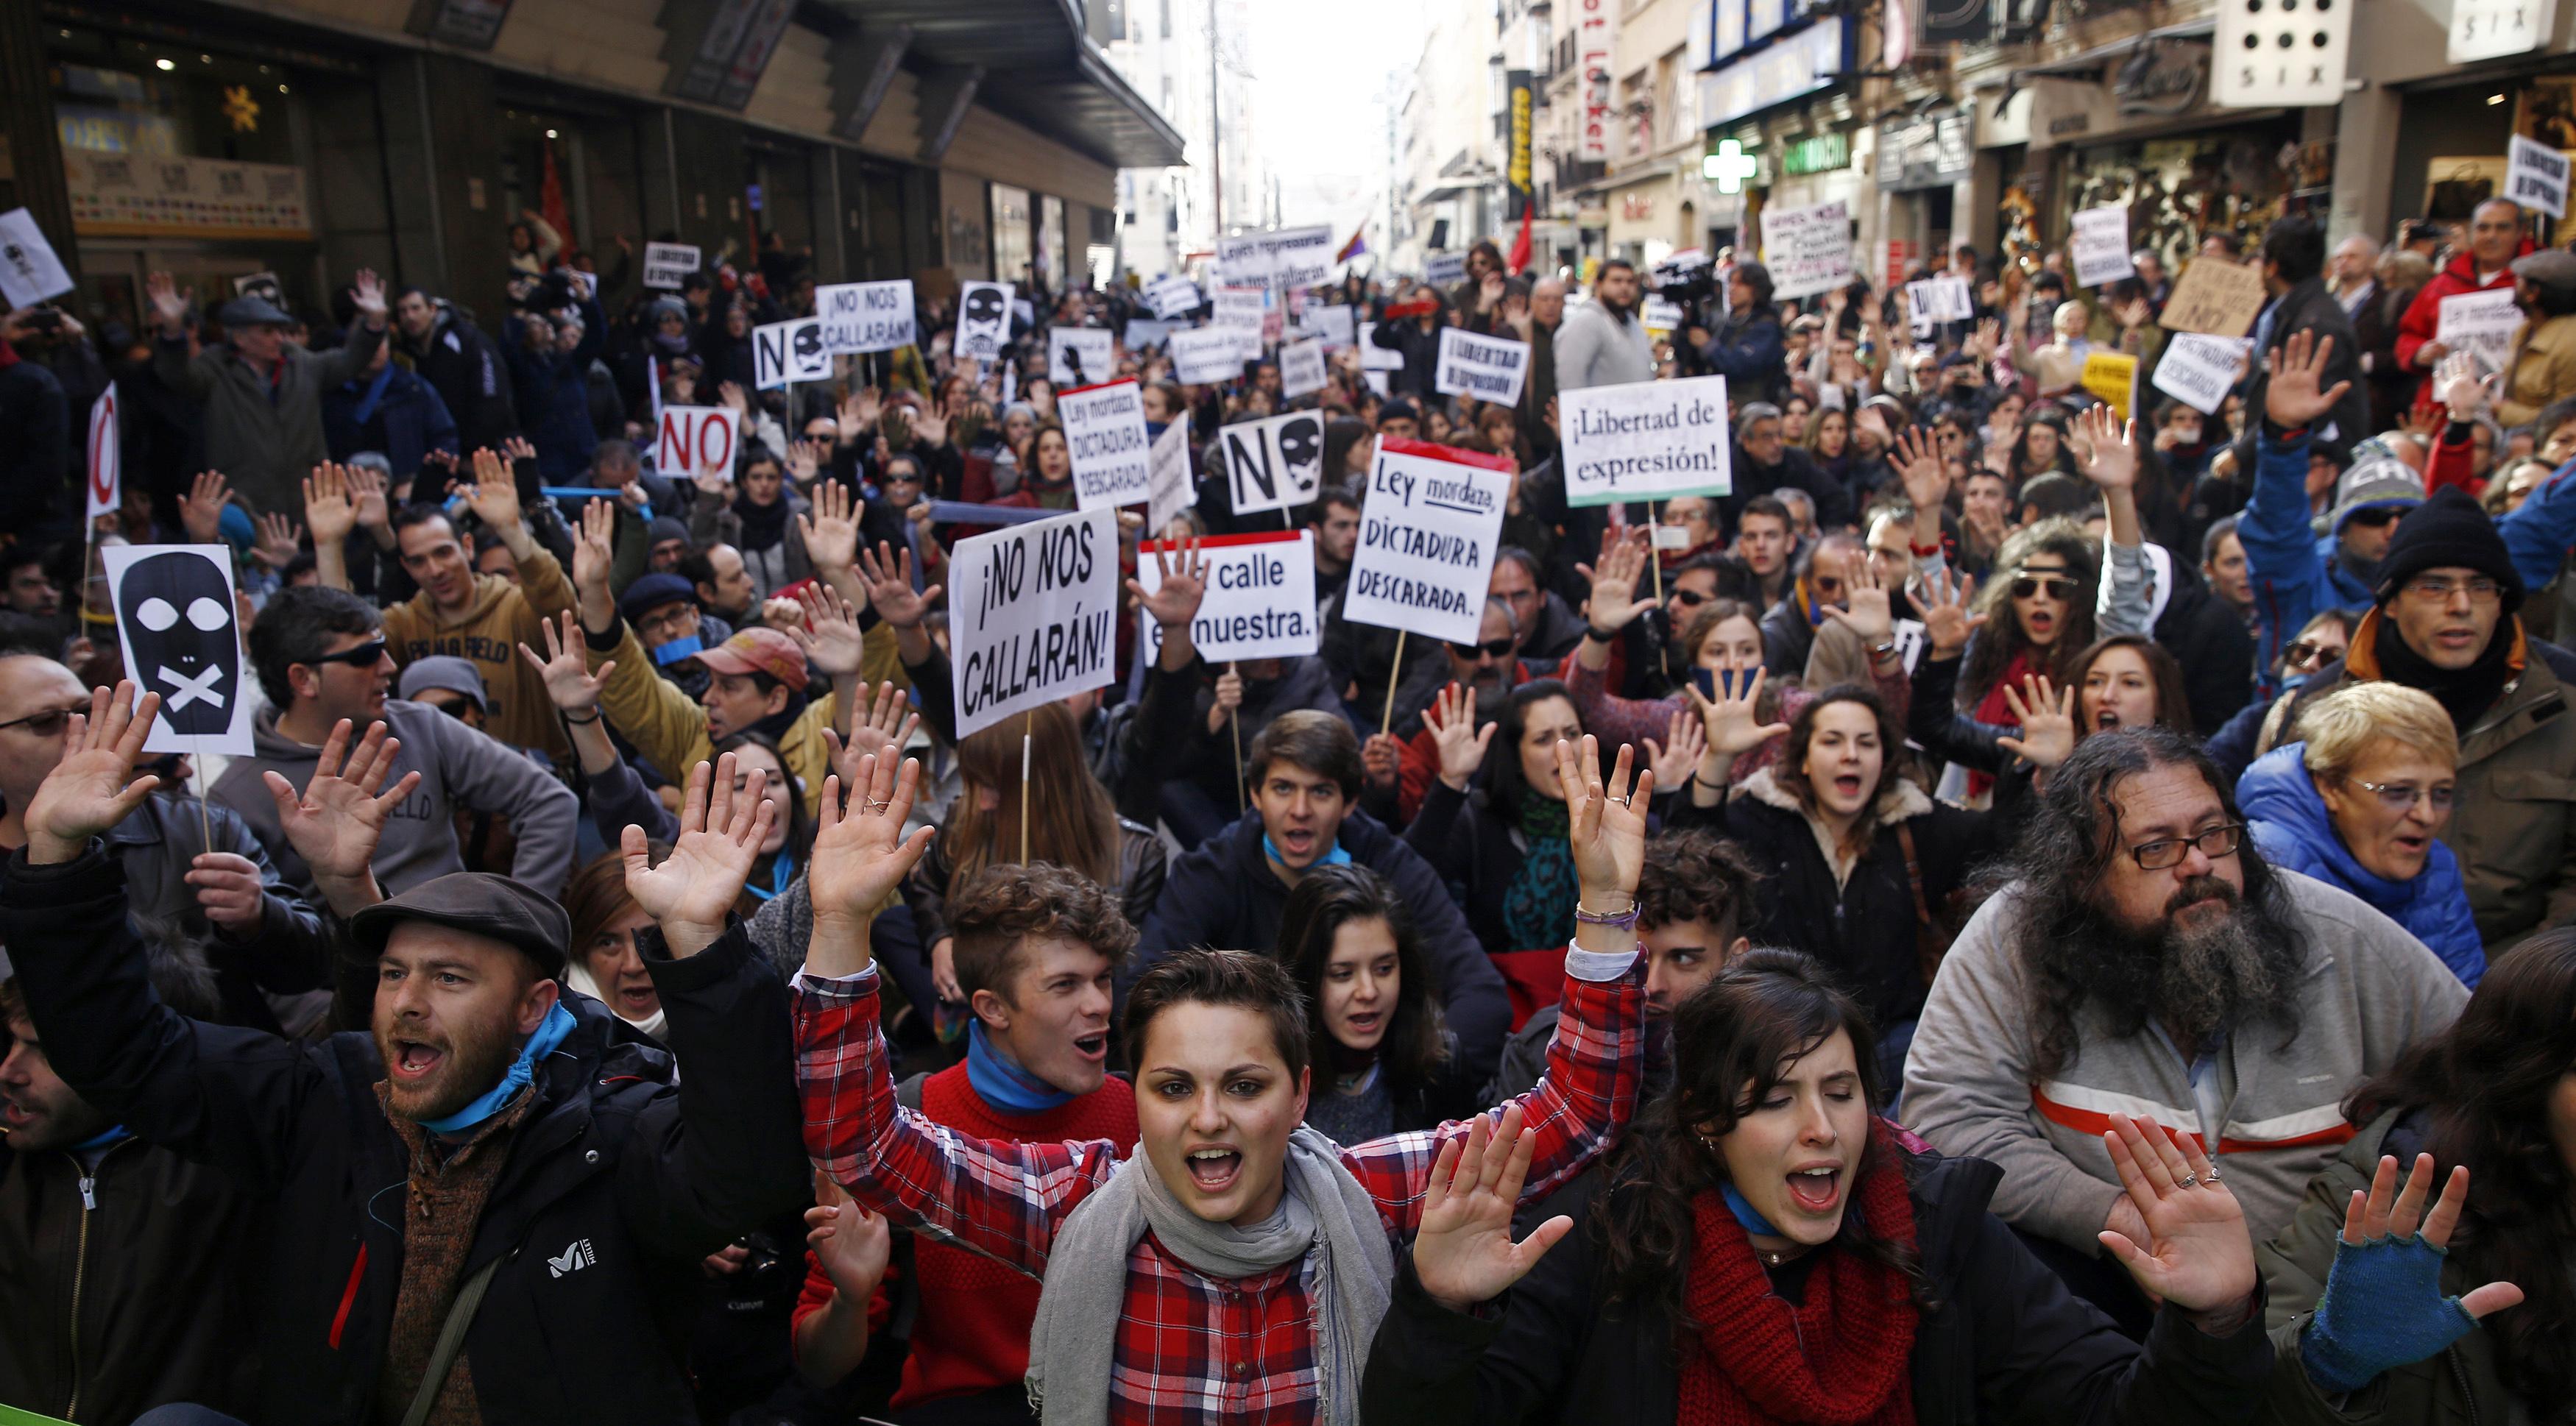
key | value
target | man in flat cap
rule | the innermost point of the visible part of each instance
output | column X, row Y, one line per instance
column 490, row 1197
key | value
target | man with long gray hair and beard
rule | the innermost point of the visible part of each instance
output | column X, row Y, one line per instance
column 2142, row 958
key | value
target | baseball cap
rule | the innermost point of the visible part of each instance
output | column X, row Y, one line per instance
column 445, row 671
column 758, row 651
column 481, row 902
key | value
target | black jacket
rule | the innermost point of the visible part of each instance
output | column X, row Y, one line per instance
column 289, row 955
column 1833, row 507
column 1421, row 352
column 2213, row 646
column 2311, row 307
column 464, row 365
column 2006, row 1344
column 618, row 1173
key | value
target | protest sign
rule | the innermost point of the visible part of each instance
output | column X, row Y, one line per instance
column 1301, row 368
column 1660, row 315
column 1205, row 355
column 1337, row 325
column 1172, row 297
column 1079, row 356
column 2215, row 298
column 1240, row 310
column 2535, row 176
column 1445, row 269
column 695, row 441
column 1427, row 533
column 865, row 316
column 1487, row 368
column 106, row 456
column 667, row 265
column 1146, row 332
column 175, row 614
column 2110, row 377
column 1260, row 600
column 782, row 352
column 2481, row 323
column 1808, row 249
column 2199, row 370
column 29, row 270
column 1645, row 440
column 266, row 284
column 1168, row 476
column 983, row 320
column 1274, row 463
column 1283, row 257
column 1374, row 357
column 1104, row 429
column 2100, row 240
column 1031, row 617
column 1942, row 299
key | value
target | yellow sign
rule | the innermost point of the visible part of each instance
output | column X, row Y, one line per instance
column 2110, row 376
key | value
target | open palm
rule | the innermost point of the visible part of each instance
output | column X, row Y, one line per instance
column 1175, row 601
column 93, row 787
column 335, row 823
column 1464, row 1253
column 831, row 530
column 888, row 574
column 2198, row 1254
column 565, row 669
column 721, row 830
column 1734, row 717
column 1605, row 822
column 860, row 852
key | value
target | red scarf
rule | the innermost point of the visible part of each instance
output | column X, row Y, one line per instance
column 1993, row 709
column 1842, row 1358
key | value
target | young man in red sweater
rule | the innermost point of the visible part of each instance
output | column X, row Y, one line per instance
column 1036, row 947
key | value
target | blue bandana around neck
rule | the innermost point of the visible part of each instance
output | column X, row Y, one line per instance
column 100, row 1140
column 782, row 874
column 1746, row 1215
column 1002, row 1084
column 678, row 649
column 523, row 1071
column 1333, row 856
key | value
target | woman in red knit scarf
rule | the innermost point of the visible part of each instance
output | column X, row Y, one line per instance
column 1768, row 1250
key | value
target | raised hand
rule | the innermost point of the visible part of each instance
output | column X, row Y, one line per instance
column 1175, row 602
column 169, row 302
column 1614, row 602
column 888, row 721
column 1947, row 620
column 335, row 823
column 860, row 851
column 1605, row 822
column 2383, row 1267
column 1917, row 454
column 201, row 512
column 2292, row 398
column 887, row 572
column 569, row 682
column 328, row 511
column 2463, row 390
column 494, row 495
column 1451, row 719
column 831, row 529
column 694, row 888
column 1464, row 1253
column 594, row 548
column 367, row 294
column 93, row 788
column 366, row 496
column 802, row 460
column 278, row 540
column 2106, row 448
column 1677, row 758
column 2047, row 718
column 2197, row 1254
column 1867, row 608
column 828, row 634
column 857, row 414
column 1735, row 725
column 730, row 393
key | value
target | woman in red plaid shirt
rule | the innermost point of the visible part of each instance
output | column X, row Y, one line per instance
column 1235, row 1266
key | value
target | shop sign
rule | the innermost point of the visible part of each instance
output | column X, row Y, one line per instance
column 1927, row 151
column 1820, row 153
column 1637, row 207
column 119, row 195
column 2162, row 79
column 2485, row 29
column 1805, row 62
column 2067, row 113
column 1596, row 27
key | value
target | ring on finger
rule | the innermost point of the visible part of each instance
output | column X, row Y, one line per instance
column 2189, row 1180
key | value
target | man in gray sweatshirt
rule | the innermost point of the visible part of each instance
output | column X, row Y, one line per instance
column 321, row 657
column 2147, row 961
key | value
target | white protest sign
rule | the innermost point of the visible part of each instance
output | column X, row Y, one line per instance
column 1146, row 332
column 1808, row 249
column 1660, row 315
column 106, row 455
column 29, row 271
column 1240, row 311
column 1337, row 325
column 1260, row 601
column 1284, row 257
column 667, row 265
column 695, row 441
column 1942, row 299
column 1203, row 356
column 175, row 615
column 2535, row 176
column 1168, row 467
column 1172, row 297
column 1487, row 368
column 1445, row 269
column 1645, row 440
column 2482, row 323
column 1301, row 367
column 1079, row 356
column 1031, row 615
column 782, row 352
column 865, row 316
column 1274, row 463
column 1374, row 357
column 1428, row 528
column 983, row 320
column 2199, row 370
column 1104, row 428
column 2100, row 246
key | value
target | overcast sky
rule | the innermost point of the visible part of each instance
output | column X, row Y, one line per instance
column 1319, row 67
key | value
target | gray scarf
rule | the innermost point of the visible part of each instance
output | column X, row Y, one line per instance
column 1324, row 1212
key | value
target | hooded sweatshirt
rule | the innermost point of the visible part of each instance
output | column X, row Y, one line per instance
column 2288, row 817
column 487, row 633
column 459, row 768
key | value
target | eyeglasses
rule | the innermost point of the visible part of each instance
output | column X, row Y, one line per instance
column 365, row 655
column 2375, row 516
column 1498, row 648
column 2438, row 589
column 2056, row 586
column 2169, row 851
column 1691, row 598
column 2307, row 653
column 460, row 709
column 2402, row 796
column 47, row 723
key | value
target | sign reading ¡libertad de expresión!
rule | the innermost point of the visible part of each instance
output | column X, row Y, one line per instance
column 1645, row 440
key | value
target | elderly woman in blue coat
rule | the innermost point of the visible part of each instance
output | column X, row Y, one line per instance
column 2360, row 803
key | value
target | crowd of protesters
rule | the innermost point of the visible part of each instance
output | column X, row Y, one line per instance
column 2035, row 902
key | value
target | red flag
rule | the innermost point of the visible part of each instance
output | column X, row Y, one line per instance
column 1521, row 245
column 550, row 200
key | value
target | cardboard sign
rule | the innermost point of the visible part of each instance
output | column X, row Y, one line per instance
column 1032, row 615
column 1660, row 315
column 2215, row 298
column 865, row 316
column 1487, row 368
column 1445, row 269
column 1942, row 299
column 782, row 352
column 983, row 320
column 1301, row 368
column 1080, row 356
column 106, row 456
column 1374, row 357
column 1273, row 463
column 1104, row 428
column 1427, row 535
column 1337, row 325
column 695, row 441
column 1168, row 476
column 2200, row 370
column 1203, row 356
column 1241, row 311
column 1260, row 600
column 1284, row 257
column 1646, row 440
column 29, row 270
column 2100, row 246
column 1808, row 249
column 2110, row 377
column 2481, row 323
column 1172, row 297
column 2535, row 176
column 175, row 616
column 1145, row 333
column 667, row 265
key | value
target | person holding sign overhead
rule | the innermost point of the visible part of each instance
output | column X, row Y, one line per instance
column 2496, row 238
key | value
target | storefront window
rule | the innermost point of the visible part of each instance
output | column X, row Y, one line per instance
column 2179, row 190
column 1011, row 233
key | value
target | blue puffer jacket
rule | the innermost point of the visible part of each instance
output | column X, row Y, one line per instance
column 2288, row 816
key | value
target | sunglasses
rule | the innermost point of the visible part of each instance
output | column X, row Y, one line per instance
column 47, row 723
column 460, row 709
column 2057, row 586
column 1691, row 598
column 364, row 655
column 2376, row 516
column 2307, row 653
column 1498, row 648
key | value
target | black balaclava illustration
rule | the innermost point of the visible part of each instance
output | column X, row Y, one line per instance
column 180, row 641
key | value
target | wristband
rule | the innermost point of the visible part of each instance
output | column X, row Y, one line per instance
column 1609, row 638
column 1704, row 782
column 1883, row 650
column 582, row 722
column 1623, row 921
column 1924, row 552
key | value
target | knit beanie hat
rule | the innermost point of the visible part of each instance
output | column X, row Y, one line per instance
column 2448, row 531
column 2379, row 480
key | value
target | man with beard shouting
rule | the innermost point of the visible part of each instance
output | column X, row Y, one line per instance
column 2143, row 959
